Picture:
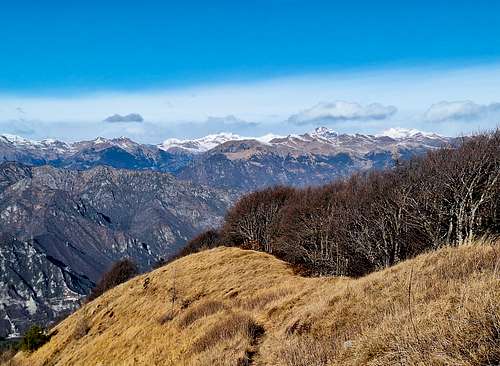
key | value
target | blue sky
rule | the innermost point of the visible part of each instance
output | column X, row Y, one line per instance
column 103, row 55
column 50, row 45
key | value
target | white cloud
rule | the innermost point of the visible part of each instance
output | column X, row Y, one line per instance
column 186, row 112
column 132, row 117
column 460, row 110
column 331, row 112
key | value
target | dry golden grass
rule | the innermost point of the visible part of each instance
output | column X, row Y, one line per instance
column 203, row 309
column 238, row 307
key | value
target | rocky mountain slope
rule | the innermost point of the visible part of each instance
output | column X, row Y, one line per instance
column 230, row 161
column 118, row 153
column 60, row 229
column 229, row 306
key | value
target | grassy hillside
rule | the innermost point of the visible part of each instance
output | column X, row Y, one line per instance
column 229, row 306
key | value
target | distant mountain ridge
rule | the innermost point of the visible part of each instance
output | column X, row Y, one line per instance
column 313, row 158
column 228, row 160
column 325, row 134
column 56, row 148
column 119, row 153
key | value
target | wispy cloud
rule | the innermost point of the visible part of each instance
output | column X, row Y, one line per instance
column 331, row 112
column 229, row 121
column 461, row 110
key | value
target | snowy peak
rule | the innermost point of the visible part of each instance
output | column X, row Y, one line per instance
column 406, row 133
column 18, row 140
column 100, row 140
column 101, row 143
column 22, row 142
column 323, row 132
column 124, row 142
column 201, row 144
column 320, row 135
column 14, row 139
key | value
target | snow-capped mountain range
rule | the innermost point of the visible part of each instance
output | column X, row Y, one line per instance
column 227, row 160
column 206, row 143
column 323, row 134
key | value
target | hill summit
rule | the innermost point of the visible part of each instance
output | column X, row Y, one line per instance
column 229, row 306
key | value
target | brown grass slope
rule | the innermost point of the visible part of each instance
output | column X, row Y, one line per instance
column 228, row 306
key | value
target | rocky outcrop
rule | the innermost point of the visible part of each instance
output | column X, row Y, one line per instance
column 35, row 287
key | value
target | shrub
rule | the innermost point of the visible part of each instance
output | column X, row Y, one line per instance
column 33, row 339
column 8, row 349
column 206, row 240
column 81, row 329
column 120, row 272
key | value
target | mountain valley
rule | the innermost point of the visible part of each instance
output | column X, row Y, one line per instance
column 61, row 229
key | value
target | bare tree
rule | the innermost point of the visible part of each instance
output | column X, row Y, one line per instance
column 374, row 220
column 254, row 220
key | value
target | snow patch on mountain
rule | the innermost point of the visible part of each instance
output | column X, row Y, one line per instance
column 18, row 140
column 404, row 133
column 208, row 142
column 22, row 142
column 323, row 133
column 266, row 138
column 201, row 144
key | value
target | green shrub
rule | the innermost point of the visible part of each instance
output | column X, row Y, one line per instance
column 34, row 338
